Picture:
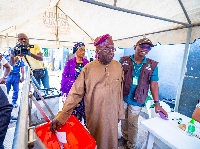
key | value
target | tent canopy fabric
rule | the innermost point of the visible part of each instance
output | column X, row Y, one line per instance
column 61, row 23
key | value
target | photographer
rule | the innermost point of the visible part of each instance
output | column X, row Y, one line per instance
column 32, row 55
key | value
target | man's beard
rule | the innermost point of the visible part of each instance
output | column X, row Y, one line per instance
column 106, row 59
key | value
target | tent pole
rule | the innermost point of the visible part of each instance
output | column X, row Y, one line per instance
column 133, row 12
column 115, row 2
column 7, row 40
column 76, row 24
column 0, row 43
column 16, row 33
column 185, row 12
column 162, row 31
column 183, row 69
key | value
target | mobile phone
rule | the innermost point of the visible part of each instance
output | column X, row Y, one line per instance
column 162, row 115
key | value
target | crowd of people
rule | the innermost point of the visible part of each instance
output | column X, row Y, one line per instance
column 111, row 91
column 101, row 93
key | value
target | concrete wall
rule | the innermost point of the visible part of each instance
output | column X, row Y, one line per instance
column 191, row 83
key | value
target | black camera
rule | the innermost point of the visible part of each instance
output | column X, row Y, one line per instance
column 23, row 49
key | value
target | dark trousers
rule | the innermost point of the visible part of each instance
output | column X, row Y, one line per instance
column 45, row 81
column 13, row 80
column 5, row 113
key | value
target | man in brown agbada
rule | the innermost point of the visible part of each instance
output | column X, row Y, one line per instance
column 100, row 83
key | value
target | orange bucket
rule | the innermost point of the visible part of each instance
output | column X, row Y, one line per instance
column 77, row 137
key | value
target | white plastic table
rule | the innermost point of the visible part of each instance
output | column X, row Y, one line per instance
column 169, row 132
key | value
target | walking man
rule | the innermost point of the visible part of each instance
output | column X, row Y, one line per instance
column 14, row 80
column 100, row 83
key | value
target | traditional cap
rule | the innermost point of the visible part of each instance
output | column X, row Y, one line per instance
column 103, row 41
column 77, row 45
column 145, row 41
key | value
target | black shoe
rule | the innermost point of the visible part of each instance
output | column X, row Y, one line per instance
column 15, row 105
column 122, row 142
column 13, row 118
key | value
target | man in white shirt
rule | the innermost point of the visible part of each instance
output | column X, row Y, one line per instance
column 5, row 107
column 3, row 73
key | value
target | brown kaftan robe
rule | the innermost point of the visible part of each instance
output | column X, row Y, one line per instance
column 101, row 86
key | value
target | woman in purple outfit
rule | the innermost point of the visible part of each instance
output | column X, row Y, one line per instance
column 71, row 71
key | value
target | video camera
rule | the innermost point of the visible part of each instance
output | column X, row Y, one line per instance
column 23, row 49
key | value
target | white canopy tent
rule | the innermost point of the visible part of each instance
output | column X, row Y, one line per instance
column 60, row 23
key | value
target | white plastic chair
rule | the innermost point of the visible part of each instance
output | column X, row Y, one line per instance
column 151, row 111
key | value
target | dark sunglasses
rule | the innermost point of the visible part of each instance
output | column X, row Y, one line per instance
column 145, row 47
column 108, row 50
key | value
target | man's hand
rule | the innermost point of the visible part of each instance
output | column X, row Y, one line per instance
column 2, row 80
column 159, row 108
column 54, row 125
column 20, row 55
column 22, row 79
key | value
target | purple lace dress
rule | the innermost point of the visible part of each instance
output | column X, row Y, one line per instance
column 79, row 110
column 70, row 73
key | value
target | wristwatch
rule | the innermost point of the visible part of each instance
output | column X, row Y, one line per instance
column 156, row 102
column 5, row 77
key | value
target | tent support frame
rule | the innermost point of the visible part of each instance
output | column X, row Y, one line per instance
column 185, row 12
column 76, row 24
column 183, row 68
column 133, row 12
column 115, row 39
column 157, row 32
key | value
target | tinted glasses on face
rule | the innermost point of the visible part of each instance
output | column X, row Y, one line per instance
column 143, row 47
column 108, row 49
